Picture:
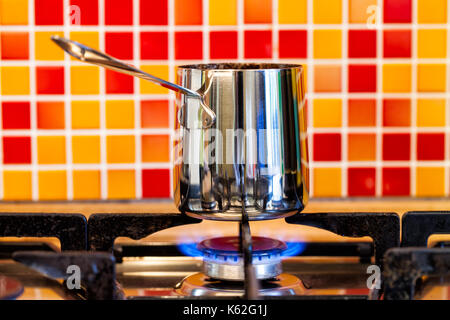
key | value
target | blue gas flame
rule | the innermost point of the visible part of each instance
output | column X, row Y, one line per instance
column 293, row 249
column 189, row 249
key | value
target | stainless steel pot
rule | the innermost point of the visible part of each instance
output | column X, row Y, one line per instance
column 240, row 140
column 254, row 155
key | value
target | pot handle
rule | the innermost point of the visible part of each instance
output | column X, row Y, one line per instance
column 89, row 55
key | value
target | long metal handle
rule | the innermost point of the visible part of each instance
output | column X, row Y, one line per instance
column 89, row 55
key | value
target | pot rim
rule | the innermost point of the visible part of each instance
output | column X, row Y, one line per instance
column 226, row 66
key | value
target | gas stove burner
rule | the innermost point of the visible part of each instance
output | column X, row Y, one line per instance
column 223, row 260
column 199, row 284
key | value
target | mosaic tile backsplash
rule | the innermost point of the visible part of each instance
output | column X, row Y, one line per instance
column 376, row 74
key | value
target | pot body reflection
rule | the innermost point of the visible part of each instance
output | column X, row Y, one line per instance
column 254, row 156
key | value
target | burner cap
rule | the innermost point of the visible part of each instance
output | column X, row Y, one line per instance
column 223, row 260
column 9, row 288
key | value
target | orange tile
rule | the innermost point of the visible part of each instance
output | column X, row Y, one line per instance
column 120, row 149
column 361, row 147
column 13, row 12
column 50, row 115
column 361, row 113
column 51, row 149
column 257, row 11
column 14, row 45
column 155, row 114
column 86, row 149
column 327, row 182
column 362, row 11
column 17, row 185
column 120, row 114
column 327, row 78
column 188, row 12
column 52, row 185
column 121, row 184
column 86, row 184
column 155, row 148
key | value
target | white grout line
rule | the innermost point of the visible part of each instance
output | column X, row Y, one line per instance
column 172, row 78
column 379, row 105
column 447, row 110
column 309, row 93
column 102, row 100
column 344, row 103
column 136, row 98
column 67, row 106
column 240, row 29
column 275, row 40
column 413, row 135
column 33, row 106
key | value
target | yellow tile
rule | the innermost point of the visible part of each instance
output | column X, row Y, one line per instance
column 222, row 12
column 85, row 114
column 15, row 80
column 89, row 38
column 327, row 113
column 362, row 11
column 159, row 71
column 45, row 48
column 84, row 80
column 327, row 182
column 432, row 11
column 430, row 182
column 327, row 44
column 327, row 11
column 52, row 185
column 120, row 114
column 292, row 11
column 432, row 43
column 86, row 149
column 13, row 12
column 396, row 78
column 17, row 185
column 121, row 184
column 120, row 149
column 430, row 112
column 431, row 77
column 51, row 149
column 86, row 184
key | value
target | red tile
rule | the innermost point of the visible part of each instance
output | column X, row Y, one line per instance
column 361, row 181
column 153, row 12
column 396, row 112
column 48, row 12
column 223, row 45
column 397, row 43
column 16, row 150
column 50, row 80
column 118, row 83
column 292, row 43
column 362, row 43
column 16, row 115
column 156, row 183
column 188, row 45
column 258, row 44
column 88, row 11
column 119, row 44
column 397, row 11
column 154, row 45
column 396, row 146
column 362, row 78
column 327, row 147
column 14, row 45
column 430, row 146
column 119, row 12
column 396, row 181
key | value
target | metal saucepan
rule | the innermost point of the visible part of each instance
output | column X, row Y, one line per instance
column 240, row 140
